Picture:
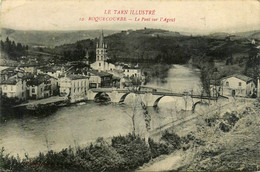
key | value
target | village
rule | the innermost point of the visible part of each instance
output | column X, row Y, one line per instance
column 32, row 81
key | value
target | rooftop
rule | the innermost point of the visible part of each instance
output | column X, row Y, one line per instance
column 75, row 77
column 101, row 74
column 132, row 67
column 10, row 81
column 7, row 69
column 38, row 79
column 47, row 69
column 240, row 76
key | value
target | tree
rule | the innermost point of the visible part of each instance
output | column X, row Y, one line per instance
column 205, row 80
column 139, row 106
column 252, row 68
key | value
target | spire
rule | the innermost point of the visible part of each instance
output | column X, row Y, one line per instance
column 101, row 40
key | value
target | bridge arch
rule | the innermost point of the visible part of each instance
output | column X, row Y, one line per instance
column 100, row 94
column 196, row 104
column 155, row 104
column 122, row 99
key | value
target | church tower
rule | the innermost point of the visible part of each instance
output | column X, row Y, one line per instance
column 101, row 52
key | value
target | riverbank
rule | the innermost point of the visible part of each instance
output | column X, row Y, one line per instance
column 230, row 140
column 209, row 147
column 155, row 71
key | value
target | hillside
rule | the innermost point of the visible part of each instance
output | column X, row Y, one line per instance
column 251, row 34
column 213, row 147
column 50, row 38
column 162, row 46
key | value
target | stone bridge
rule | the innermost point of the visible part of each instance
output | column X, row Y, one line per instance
column 183, row 101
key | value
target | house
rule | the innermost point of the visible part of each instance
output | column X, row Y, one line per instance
column 53, row 72
column 14, row 88
column 41, row 86
column 237, row 85
column 74, row 86
column 94, row 81
column 132, row 71
column 106, row 79
column 7, row 72
column 28, row 68
column 36, row 89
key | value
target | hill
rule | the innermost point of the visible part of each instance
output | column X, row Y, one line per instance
column 50, row 38
column 250, row 34
column 161, row 46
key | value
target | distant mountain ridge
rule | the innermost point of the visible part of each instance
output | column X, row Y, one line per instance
column 56, row 38
column 50, row 38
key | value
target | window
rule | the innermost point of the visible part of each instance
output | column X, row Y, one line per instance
column 128, row 70
column 11, row 88
column 99, row 64
column 239, row 84
column 227, row 83
column 33, row 90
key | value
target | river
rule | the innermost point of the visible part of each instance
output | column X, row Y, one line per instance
column 78, row 125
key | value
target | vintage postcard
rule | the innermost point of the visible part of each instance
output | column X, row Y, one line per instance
column 106, row 85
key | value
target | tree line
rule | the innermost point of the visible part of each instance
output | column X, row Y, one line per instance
column 13, row 50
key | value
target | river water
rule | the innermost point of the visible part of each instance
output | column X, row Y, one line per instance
column 78, row 125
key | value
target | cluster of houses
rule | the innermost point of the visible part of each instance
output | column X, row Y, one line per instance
column 42, row 82
column 32, row 81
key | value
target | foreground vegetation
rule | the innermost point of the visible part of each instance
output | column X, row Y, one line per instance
column 232, row 141
column 226, row 141
column 124, row 153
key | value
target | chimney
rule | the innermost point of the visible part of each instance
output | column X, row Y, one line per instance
column 258, row 87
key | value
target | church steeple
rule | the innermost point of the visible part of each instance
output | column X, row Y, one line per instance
column 101, row 43
column 101, row 40
column 101, row 52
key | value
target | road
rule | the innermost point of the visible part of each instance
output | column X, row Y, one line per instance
column 44, row 101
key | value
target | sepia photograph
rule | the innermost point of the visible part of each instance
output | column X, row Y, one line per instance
column 118, row 85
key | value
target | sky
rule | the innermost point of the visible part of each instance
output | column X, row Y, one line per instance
column 199, row 16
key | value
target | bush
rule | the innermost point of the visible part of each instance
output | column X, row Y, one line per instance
column 190, row 140
column 133, row 149
column 172, row 139
column 158, row 149
column 210, row 121
column 224, row 127
column 125, row 153
column 231, row 119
